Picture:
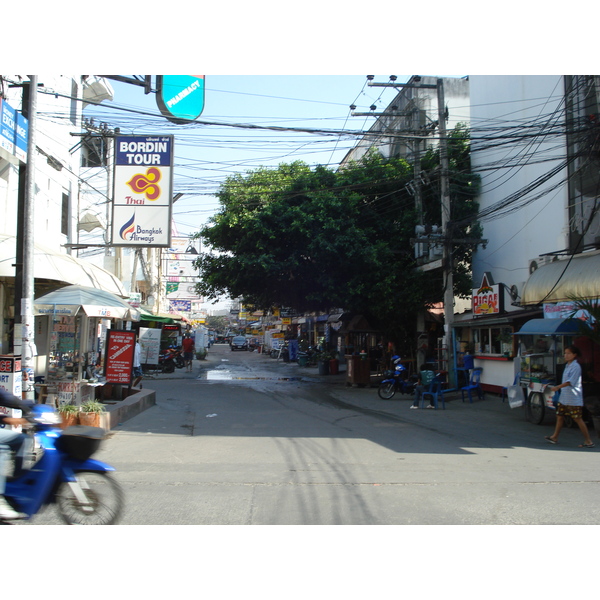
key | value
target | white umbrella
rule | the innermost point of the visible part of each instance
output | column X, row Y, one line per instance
column 71, row 299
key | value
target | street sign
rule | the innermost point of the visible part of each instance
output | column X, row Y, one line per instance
column 180, row 98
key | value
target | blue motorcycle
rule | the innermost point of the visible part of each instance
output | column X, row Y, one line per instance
column 396, row 380
column 62, row 472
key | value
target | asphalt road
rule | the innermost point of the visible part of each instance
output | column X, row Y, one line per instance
column 247, row 440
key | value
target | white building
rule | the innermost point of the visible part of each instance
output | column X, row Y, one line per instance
column 57, row 197
column 534, row 142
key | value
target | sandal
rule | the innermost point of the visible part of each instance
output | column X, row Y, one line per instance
column 587, row 445
column 550, row 440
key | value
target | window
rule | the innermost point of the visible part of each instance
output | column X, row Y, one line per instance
column 493, row 340
column 93, row 151
column 64, row 221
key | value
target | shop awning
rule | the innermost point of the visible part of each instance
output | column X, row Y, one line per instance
column 50, row 264
column 563, row 279
column 551, row 327
column 161, row 318
column 72, row 299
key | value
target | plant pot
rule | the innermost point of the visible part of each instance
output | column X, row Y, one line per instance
column 89, row 418
column 68, row 419
column 334, row 366
column 302, row 360
column 323, row 368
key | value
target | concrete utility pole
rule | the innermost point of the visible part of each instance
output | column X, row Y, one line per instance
column 447, row 261
column 27, row 297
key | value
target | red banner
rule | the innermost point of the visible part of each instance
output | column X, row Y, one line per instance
column 120, row 348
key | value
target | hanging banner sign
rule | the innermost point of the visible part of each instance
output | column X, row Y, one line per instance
column 143, row 191
column 14, row 129
column 120, row 347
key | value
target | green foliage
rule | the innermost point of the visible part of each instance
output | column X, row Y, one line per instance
column 314, row 239
column 92, row 406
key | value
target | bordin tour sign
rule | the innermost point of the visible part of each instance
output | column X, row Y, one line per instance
column 143, row 191
column 120, row 347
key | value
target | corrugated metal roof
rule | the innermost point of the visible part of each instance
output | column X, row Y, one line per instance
column 563, row 279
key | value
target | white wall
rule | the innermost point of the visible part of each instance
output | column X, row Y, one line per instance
column 498, row 102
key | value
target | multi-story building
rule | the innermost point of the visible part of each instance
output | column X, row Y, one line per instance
column 534, row 142
column 56, row 195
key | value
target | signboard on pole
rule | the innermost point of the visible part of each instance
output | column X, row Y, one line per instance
column 120, row 347
column 143, row 191
column 14, row 128
column 150, row 344
column 487, row 299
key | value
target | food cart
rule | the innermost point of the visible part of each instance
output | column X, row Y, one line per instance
column 541, row 344
column 71, row 327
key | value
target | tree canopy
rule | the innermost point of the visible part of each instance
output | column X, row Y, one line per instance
column 315, row 239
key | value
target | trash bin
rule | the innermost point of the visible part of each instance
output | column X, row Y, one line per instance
column 323, row 367
column 358, row 371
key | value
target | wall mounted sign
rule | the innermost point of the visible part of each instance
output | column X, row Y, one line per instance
column 487, row 299
column 143, row 191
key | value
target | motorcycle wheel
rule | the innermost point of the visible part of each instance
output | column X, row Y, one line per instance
column 386, row 390
column 105, row 500
column 179, row 363
column 168, row 368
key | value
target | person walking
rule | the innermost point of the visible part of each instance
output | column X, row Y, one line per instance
column 137, row 364
column 570, row 403
column 188, row 346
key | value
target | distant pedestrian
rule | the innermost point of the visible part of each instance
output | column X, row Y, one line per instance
column 137, row 363
column 188, row 347
column 426, row 376
column 570, row 403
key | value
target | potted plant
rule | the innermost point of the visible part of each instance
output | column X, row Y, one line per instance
column 69, row 414
column 323, row 359
column 506, row 340
column 334, row 364
column 90, row 413
column 201, row 354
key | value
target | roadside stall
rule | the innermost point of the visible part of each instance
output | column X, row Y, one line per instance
column 70, row 332
column 541, row 344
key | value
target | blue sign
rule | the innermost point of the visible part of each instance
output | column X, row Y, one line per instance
column 180, row 98
column 7, row 127
column 14, row 129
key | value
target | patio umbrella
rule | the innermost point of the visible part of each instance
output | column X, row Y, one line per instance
column 71, row 299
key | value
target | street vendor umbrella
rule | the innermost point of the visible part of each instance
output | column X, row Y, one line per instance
column 69, row 300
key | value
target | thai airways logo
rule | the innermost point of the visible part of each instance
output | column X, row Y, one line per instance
column 146, row 183
column 127, row 230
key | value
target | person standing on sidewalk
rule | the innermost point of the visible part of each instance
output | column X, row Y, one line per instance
column 571, row 398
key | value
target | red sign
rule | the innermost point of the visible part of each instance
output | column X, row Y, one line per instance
column 120, row 348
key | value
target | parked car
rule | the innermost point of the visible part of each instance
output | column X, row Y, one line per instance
column 239, row 342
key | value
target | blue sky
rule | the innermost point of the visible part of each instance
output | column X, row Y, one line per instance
column 206, row 154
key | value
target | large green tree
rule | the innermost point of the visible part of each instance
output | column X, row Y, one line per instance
column 314, row 239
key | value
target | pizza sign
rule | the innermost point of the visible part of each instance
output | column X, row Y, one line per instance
column 487, row 299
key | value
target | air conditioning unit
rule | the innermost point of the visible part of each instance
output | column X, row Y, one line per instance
column 540, row 261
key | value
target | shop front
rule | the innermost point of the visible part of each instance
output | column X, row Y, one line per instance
column 71, row 328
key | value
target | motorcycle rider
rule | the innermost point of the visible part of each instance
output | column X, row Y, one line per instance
column 14, row 440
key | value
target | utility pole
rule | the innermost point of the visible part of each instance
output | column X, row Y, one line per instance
column 27, row 297
column 447, row 261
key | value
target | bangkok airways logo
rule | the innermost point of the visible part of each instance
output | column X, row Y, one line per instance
column 146, row 183
column 127, row 230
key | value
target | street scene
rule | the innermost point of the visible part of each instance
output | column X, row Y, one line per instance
column 249, row 440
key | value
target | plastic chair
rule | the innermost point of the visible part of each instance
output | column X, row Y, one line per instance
column 435, row 391
column 474, row 384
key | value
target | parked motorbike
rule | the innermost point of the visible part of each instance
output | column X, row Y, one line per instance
column 171, row 359
column 62, row 472
column 396, row 381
